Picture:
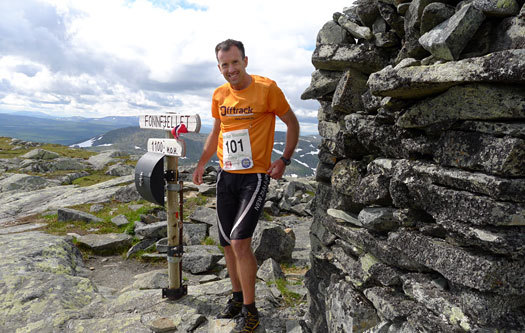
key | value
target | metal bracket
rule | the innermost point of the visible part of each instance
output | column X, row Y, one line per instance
column 141, row 178
column 175, row 254
column 170, row 175
column 174, row 260
column 174, row 293
column 174, row 187
column 175, row 251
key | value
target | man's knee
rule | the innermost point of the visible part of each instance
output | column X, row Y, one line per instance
column 242, row 247
column 228, row 250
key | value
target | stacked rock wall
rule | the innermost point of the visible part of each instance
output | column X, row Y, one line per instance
column 419, row 219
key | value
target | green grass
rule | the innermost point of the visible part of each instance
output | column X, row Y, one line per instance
column 49, row 175
column 156, row 260
column 6, row 150
column 130, row 229
column 290, row 298
column 106, row 226
column 12, row 153
column 85, row 252
column 115, row 208
column 138, row 255
column 68, row 152
column 266, row 217
column 190, row 204
column 132, row 215
column 56, row 227
column 209, row 241
column 109, row 211
column 92, row 179
column 130, row 162
column 5, row 143
column 288, row 266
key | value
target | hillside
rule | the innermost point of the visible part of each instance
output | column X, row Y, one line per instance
column 133, row 140
column 66, row 131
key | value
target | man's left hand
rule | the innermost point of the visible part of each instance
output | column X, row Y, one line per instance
column 277, row 168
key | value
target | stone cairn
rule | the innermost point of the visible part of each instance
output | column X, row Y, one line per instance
column 419, row 210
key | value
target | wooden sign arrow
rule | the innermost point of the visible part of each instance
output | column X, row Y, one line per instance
column 168, row 121
column 168, row 147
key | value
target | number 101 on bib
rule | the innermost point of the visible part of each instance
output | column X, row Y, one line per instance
column 236, row 150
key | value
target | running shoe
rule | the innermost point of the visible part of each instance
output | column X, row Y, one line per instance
column 231, row 309
column 247, row 322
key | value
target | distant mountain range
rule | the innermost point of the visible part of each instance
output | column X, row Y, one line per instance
column 39, row 127
column 124, row 134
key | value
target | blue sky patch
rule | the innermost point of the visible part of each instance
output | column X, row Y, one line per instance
column 171, row 5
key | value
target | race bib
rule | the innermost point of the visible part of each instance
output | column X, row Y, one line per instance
column 236, row 150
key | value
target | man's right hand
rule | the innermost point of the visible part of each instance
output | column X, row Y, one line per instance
column 197, row 175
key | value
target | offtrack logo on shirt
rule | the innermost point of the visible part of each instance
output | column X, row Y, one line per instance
column 231, row 111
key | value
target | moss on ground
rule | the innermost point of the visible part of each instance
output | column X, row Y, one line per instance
column 7, row 151
column 109, row 211
column 291, row 299
column 92, row 179
column 266, row 217
column 209, row 241
column 68, row 152
column 191, row 204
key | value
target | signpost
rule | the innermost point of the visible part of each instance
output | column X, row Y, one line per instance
column 168, row 147
column 172, row 148
column 170, row 120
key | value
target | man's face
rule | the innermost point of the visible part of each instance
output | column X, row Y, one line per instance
column 233, row 67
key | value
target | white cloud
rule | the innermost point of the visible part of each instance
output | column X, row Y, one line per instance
column 124, row 57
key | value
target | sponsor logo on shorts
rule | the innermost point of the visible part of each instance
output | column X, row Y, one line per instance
column 262, row 193
column 246, row 163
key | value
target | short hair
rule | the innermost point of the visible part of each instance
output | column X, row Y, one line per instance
column 227, row 44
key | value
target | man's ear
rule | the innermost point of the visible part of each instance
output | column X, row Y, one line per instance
column 246, row 61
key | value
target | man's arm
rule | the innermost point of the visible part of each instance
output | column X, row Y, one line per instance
column 277, row 168
column 210, row 148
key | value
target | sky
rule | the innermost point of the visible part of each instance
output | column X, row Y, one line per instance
column 98, row 58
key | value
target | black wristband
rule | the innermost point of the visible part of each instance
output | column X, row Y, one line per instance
column 285, row 160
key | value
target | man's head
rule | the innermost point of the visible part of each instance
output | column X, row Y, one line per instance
column 232, row 63
column 227, row 44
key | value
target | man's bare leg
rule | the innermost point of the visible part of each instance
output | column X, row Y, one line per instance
column 229, row 255
column 246, row 267
column 234, row 305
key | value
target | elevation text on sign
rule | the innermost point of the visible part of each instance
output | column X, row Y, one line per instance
column 168, row 147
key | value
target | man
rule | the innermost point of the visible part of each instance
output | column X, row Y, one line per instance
column 244, row 109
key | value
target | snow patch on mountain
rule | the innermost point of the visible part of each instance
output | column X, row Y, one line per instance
column 88, row 143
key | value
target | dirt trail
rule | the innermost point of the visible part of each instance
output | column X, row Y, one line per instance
column 116, row 272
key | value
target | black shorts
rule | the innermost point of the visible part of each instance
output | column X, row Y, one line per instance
column 240, row 202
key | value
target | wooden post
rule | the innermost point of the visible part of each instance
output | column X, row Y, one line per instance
column 176, row 290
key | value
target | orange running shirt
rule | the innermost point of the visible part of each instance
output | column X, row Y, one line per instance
column 253, row 108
